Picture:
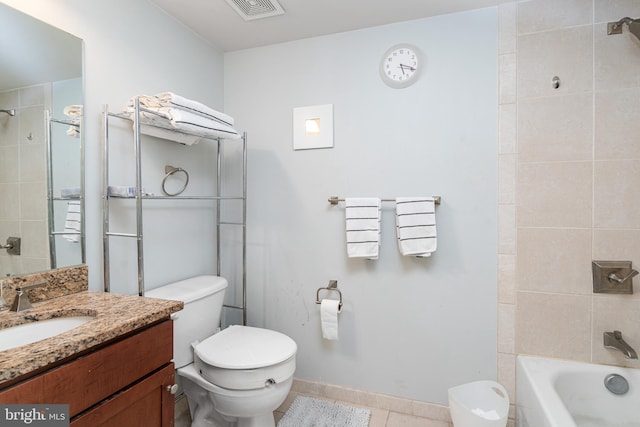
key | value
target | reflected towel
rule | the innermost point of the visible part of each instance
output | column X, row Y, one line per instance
column 75, row 112
column 416, row 226
column 73, row 222
column 362, row 221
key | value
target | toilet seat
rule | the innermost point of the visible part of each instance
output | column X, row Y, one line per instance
column 246, row 358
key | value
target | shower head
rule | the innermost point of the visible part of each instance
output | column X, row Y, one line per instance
column 10, row 112
column 632, row 24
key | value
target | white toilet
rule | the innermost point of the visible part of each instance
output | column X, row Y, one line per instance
column 236, row 377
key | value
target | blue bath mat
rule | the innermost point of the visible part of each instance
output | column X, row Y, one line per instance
column 310, row 412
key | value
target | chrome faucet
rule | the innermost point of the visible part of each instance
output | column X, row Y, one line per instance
column 22, row 302
column 614, row 340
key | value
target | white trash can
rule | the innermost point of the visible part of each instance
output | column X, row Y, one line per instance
column 479, row 404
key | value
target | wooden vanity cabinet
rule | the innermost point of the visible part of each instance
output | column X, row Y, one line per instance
column 124, row 384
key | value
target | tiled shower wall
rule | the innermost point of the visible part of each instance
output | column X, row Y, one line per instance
column 569, row 166
column 23, row 184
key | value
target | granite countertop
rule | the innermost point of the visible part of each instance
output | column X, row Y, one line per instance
column 114, row 314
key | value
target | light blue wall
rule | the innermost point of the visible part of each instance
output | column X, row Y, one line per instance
column 410, row 327
column 131, row 48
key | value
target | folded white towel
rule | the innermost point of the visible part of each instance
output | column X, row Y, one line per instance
column 75, row 112
column 416, row 226
column 171, row 135
column 171, row 100
column 72, row 222
column 180, row 120
column 362, row 220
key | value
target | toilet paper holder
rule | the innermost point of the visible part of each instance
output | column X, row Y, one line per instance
column 332, row 286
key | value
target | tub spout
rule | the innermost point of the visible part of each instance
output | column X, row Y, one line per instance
column 614, row 340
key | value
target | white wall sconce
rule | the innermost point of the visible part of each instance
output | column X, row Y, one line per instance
column 313, row 127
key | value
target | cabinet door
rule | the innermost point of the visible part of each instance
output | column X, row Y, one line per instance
column 147, row 403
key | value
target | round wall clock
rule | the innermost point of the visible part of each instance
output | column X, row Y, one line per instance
column 400, row 65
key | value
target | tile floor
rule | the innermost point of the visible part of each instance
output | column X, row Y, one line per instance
column 379, row 417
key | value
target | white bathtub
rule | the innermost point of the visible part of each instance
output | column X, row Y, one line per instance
column 559, row 393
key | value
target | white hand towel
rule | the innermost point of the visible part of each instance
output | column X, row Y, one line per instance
column 72, row 222
column 329, row 318
column 416, row 226
column 362, row 220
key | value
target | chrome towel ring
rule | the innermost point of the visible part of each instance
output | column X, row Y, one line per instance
column 170, row 170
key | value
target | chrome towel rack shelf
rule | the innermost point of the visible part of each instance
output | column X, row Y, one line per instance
column 332, row 286
column 334, row 200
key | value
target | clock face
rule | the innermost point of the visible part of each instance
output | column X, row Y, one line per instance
column 400, row 66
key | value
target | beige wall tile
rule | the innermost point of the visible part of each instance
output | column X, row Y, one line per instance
column 543, row 191
column 556, row 128
column 554, row 260
column 554, row 325
column 506, row 229
column 507, row 279
column 615, row 194
column 9, row 201
column 617, row 124
column 33, row 163
column 616, row 312
column 507, row 373
column 9, row 161
column 507, row 14
column 35, row 243
column 506, row 328
column 543, row 15
column 507, row 178
column 33, row 201
column 507, row 129
column 34, row 95
column 617, row 60
column 566, row 53
column 31, row 129
column 507, row 78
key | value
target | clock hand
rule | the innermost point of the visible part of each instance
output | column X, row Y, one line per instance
column 402, row 67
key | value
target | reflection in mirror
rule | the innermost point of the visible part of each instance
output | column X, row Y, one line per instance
column 41, row 150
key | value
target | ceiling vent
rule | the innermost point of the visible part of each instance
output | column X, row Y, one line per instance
column 256, row 9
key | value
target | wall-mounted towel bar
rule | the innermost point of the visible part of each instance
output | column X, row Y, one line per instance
column 334, row 200
column 333, row 286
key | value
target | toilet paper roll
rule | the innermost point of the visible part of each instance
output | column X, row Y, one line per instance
column 329, row 318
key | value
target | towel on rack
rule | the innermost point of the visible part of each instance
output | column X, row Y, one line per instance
column 72, row 222
column 160, row 132
column 176, row 119
column 75, row 112
column 416, row 226
column 172, row 100
column 362, row 220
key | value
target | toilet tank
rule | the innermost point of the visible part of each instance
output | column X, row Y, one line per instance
column 203, row 297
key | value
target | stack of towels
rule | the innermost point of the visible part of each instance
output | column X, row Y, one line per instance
column 75, row 113
column 73, row 222
column 363, row 227
column 167, row 112
column 416, row 226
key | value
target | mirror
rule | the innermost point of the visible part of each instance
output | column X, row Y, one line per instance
column 41, row 148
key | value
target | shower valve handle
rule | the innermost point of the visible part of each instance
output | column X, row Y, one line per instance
column 613, row 277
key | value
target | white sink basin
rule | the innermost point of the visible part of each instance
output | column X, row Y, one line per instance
column 28, row 333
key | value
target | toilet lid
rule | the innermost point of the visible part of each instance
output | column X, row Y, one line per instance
column 245, row 347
